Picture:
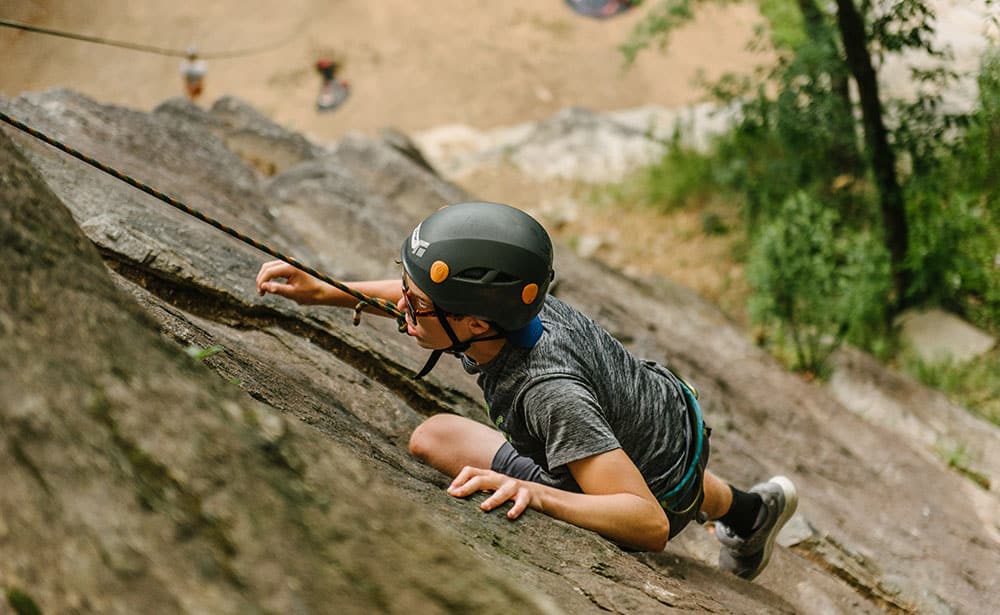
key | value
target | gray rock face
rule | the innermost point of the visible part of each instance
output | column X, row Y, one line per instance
column 246, row 132
column 272, row 474
column 936, row 335
column 576, row 144
column 927, row 420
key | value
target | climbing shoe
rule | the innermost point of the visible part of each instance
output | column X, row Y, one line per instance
column 747, row 557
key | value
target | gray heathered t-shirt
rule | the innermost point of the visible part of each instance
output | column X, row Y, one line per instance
column 578, row 392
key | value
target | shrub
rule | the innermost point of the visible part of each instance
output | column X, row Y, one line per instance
column 815, row 283
column 974, row 384
column 954, row 208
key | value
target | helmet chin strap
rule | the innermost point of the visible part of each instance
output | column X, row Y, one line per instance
column 457, row 346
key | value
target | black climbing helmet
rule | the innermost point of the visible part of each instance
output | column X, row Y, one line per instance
column 486, row 260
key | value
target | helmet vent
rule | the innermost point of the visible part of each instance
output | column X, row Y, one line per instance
column 481, row 275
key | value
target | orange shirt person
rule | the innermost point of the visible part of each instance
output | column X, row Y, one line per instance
column 193, row 72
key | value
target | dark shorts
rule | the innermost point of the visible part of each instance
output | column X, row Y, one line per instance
column 508, row 461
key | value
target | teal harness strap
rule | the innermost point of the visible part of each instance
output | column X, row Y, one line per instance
column 686, row 481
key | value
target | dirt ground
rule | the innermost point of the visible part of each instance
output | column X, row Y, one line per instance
column 413, row 65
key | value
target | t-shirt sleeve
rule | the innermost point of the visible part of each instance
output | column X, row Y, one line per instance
column 564, row 414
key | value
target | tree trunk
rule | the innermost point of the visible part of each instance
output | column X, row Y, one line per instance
column 845, row 156
column 883, row 160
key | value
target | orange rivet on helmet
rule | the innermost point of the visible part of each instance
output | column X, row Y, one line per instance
column 439, row 272
column 529, row 293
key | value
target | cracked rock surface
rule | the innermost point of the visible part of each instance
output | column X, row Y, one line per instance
column 173, row 443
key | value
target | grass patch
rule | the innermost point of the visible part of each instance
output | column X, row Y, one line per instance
column 22, row 602
column 957, row 456
column 683, row 178
column 198, row 354
column 974, row 384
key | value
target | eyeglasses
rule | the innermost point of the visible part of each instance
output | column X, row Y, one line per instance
column 411, row 311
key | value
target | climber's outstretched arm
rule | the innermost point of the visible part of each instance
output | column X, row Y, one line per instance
column 280, row 278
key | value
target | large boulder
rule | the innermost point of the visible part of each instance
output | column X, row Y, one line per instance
column 576, row 144
column 266, row 468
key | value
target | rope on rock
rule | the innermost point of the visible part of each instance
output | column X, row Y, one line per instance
column 363, row 299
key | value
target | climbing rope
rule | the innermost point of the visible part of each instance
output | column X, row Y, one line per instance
column 363, row 299
column 149, row 48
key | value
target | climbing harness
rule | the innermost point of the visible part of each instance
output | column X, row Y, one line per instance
column 363, row 299
column 670, row 498
column 180, row 53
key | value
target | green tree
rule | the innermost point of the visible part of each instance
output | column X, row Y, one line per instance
column 921, row 179
column 825, row 61
column 953, row 199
